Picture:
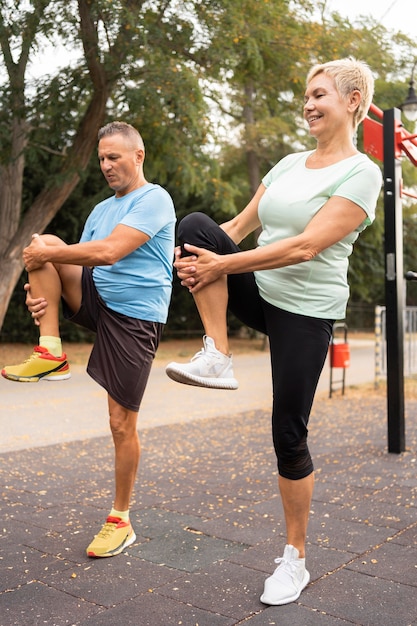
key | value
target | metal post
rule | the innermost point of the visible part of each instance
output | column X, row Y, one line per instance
column 394, row 284
column 378, row 337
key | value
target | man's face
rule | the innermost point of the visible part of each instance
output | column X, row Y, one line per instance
column 121, row 163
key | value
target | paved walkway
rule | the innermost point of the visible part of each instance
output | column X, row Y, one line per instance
column 206, row 513
column 82, row 407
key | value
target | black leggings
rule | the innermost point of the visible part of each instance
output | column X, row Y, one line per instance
column 298, row 346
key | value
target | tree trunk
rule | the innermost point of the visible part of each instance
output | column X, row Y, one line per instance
column 11, row 176
column 251, row 139
column 50, row 200
column 12, row 269
column 15, row 230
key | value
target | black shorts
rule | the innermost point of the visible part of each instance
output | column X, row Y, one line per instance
column 124, row 348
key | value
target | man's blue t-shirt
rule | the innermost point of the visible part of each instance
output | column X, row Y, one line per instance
column 139, row 285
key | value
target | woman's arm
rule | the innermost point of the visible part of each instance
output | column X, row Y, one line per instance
column 336, row 219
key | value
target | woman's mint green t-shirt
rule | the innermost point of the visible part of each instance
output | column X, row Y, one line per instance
column 294, row 194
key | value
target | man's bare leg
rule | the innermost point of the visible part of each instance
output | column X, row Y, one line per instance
column 117, row 533
column 49, row 283
column 46, row 286
column 123, row 424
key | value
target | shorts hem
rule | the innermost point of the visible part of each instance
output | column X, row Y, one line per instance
column 100, row 381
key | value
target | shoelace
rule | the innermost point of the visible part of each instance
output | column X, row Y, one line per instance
column 34, row 355
column 106, row 530
column 207, row 356
column 292, row 565
column 200, row 353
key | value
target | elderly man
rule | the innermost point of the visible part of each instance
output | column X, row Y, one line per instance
column 116, row 282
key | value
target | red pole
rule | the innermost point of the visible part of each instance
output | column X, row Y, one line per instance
column 376, row 111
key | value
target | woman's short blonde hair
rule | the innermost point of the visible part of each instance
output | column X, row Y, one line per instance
column 349, row 75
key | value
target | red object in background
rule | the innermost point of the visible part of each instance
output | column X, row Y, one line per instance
column 339, row 355
column 373, row 138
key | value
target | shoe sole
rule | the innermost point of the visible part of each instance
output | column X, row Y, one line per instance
column 116, row 551
column 36, row 379
column 288, row 600
column 199, row 381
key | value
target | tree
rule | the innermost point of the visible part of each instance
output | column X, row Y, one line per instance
column 260, row 75
column 271, row 123
column 261, row 70
column 176, row 70
column 48, row 126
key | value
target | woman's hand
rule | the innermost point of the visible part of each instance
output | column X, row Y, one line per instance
column 198, row 270
column 36, row 306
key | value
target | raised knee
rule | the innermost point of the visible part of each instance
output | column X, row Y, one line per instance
column 51, row 240
column 192, row 223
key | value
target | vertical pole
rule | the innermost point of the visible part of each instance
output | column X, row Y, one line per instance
column 394, row 284
column 378, row 334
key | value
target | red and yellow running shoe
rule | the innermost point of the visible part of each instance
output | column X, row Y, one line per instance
column 113, row 538
column 41, row 365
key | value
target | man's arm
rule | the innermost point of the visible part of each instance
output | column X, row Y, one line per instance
column 122, row 241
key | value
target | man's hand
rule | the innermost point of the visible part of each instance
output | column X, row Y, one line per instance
column 198, row 270
column 34, row 254
column 36, row 306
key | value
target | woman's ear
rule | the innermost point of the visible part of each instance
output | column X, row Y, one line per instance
column 355, row 98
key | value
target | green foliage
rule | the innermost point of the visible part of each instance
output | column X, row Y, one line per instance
column 410, row 249
column 215, row 88
column 366, row 265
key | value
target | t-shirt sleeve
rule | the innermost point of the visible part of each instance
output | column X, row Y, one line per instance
column 362, row 186
column 150, row 212
column 86, row 234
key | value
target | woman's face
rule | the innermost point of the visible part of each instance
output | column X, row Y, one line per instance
column 325, row 111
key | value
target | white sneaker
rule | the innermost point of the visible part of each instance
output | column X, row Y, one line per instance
column 289, row 579
column 208, row 368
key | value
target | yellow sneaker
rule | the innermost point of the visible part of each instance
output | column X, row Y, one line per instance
column 113, row 538
column 41, row 365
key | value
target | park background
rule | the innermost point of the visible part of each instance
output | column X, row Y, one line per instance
column 216, row 90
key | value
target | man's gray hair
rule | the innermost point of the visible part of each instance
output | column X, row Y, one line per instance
column 122, row 128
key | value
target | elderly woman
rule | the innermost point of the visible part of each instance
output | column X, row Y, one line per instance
column 310, row 207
